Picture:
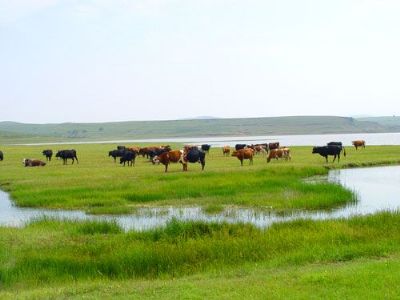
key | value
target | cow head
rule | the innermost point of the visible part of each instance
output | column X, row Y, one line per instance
column 155, row 160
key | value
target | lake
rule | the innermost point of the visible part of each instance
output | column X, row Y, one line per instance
column 287, row 140
column 377, row 189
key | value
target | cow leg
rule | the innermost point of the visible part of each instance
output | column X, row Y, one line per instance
column 251, row 161
column 326, row 158
column 338, row 158
column 241, row 162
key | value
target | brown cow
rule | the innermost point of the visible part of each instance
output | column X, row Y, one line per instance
column 33, row 163
column 246, row 153
column 226, row 150
column 166, row 158
column 279, row 153
column 358, row 143
column 134, row 149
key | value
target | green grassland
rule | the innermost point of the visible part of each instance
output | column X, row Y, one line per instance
column 68, row 132
column 348, row 258
column 98, row 185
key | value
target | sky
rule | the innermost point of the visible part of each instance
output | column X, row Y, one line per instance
column 119, row 60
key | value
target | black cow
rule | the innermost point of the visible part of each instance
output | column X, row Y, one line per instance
column 339, row 144
column 194, row 155
column 65, row 154
column 206, row 148
column 48, row 153
column 1, row 156
column 240, row 146
column 128, row 157
column 151, row 153
column 116, row 153
column 328, row 150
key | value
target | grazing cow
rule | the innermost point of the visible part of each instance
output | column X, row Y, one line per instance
column 358, row 143
column 339, row 144
column 205, row 148
column 1, row 156
column 168, row 157
column 48, row 153
column 65, row 154
column 283, row 152
column 128, row 157
column 245, row 153
column 240, row 146
column 116, row 153
column 193, row 155
column 33, row 162
column 226, row 150
column 328, row 150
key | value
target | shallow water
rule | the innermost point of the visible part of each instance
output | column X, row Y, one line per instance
column 377, row 189
column 287, row 140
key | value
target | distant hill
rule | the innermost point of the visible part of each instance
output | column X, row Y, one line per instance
column 65, row 132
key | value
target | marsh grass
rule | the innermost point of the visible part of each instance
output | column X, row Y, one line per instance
column 49, row 251
column 98, row 185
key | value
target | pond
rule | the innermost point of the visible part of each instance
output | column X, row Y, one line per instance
column 377, row 189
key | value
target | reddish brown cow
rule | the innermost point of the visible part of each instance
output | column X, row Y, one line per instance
column 166, row 158
column 226, row 150
column 33, row 163
column 358, row 143
column 279, row 153
column 134, row 149
column 242, row 154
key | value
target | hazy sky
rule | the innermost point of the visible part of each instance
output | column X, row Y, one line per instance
column 112, row 60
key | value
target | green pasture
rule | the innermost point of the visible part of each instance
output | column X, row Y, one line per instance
column 347, row 258
column 98, row 185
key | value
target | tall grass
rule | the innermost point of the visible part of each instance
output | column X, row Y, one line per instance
column 52, row 251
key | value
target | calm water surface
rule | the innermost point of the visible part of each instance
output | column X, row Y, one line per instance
column 377, row 189
column 288, row 140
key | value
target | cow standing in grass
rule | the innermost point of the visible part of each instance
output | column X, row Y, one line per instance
column 116, row 153
column 128, row 157
column 193, row 155
column 226, row 150
column 48, row 153
column 242, row 154
column 359, row 143
column 173, row 156
column 325, row 151
column 67, row 154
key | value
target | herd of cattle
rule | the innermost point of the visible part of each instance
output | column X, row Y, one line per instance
column 195, row 154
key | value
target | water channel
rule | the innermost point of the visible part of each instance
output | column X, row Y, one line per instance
column 377, row 189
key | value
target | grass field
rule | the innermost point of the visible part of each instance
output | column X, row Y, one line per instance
column 354, row 258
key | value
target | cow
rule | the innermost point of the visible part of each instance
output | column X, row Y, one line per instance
column 48, row 153
column 65, row 154
column 168, row 157
column 358, row 143
column 155, row 152
column 245, row 153
column 193, row 155
column 205, row 148
column 226, row 150
column 328, row 150
column 272, row 146
column 240, row 146
column 116, row 153
column 33, row 162
column 339, row 144
column 134, row 149
column 283, row 152
column 1, row 156
column 259, row 149
column 128, row 157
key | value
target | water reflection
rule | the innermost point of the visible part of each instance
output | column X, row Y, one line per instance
column 377, row 189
